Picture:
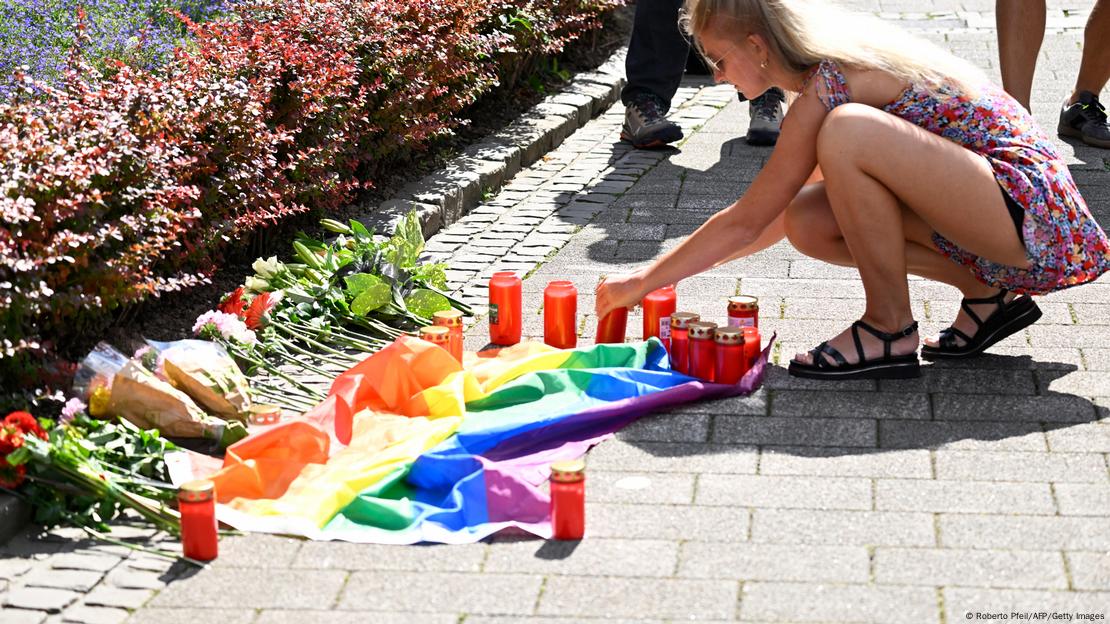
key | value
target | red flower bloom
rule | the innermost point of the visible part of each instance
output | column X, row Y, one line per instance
column 11, row 438
column 233, row 303
column 26, row 423
column 260, row 305
column 11, row 476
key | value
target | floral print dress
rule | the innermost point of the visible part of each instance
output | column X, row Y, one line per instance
column 1063, row 243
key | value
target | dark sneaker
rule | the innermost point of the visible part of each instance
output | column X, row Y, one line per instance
column 645, row 125
column 1086, row 120
column 766, row 113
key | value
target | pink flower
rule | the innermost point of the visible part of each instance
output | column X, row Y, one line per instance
column 227, row 326
column 72, row 408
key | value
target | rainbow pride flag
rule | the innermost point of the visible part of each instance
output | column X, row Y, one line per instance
column 412, row 447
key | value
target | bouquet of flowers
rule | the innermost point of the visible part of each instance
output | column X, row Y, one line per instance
column 85, row 472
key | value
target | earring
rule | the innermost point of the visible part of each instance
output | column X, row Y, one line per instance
column 763, row 65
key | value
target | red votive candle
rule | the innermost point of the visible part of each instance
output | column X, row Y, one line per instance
column 611, row 329
column 505, row 308
column 453, row 321
column 568, row 499
column 743, row 311
column 659, row 305
column 752, row 345
column 731, row 364
column 680, row 340
column 196, row 500
column 703, row 359
column 560, row 314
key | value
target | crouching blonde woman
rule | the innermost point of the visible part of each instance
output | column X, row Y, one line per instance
column 896, row 157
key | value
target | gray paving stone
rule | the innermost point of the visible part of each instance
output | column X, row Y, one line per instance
column 974, row 381
column 667, row 522
column 667, row 427
column 77, row 580
column 258, row 551
column 12, row 567
column 1090, row 571
column 667, row 457
column 353, row 617
column 958, row 602
column 1085, row 438
column 809, row 602
column 774, row 562
column 844, row 528
column 94, row 615
column 963, row 496
column 128, row 578
column 845, row 462
column 795, row 431
column 39, row 599
column 1025, row 466
column 640, row 487
column 1083, row 499
column 104, row 596
column 282, row 589
column 21, row 616
column 838, row 404
column 959, row 435
column 76, row 561
column 191, row 615
column 637, row 598
column 455, row 592
column 346, row 556
column 1052, row 408
column 1024, row 532
column 588, row 557
column 1083, row 383
column 784, row 492
column 984, row 568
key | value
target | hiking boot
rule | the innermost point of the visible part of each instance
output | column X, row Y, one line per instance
column 1086, row 120
column 766, row 113
column 645, row 125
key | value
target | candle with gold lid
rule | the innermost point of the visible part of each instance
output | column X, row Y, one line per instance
column 568, row 499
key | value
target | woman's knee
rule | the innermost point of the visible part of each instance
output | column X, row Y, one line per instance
column 809, row 223
column 846, row 133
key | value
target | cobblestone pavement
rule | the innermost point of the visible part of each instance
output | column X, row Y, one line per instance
column 982, row 487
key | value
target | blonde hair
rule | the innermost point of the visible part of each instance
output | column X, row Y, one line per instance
column 802, row 33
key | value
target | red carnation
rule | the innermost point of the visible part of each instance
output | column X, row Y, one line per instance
column 233, row 303
column 11, row 476
column 261, row 304
column 26, row 423
column 11, row 438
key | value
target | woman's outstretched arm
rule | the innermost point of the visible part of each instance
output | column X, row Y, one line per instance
column 752, row 223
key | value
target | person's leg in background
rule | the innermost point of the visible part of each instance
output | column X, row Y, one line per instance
column 1083, row 116
column 1020, row 33
column 654, row 66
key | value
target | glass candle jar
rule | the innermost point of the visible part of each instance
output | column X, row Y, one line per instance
column 752, row 346
column 611, row 329
column 196, row 500
column 505, row 308
column 743, row 311
column 680, row 340
column 703, row 359
column 730, row 361
column 659, row 305
column 560, row 315
column 453, row 321
column 568, row 499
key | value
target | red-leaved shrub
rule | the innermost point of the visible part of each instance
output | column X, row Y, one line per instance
column 117, row 187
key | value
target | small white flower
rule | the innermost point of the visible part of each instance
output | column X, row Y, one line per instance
column 267, row 268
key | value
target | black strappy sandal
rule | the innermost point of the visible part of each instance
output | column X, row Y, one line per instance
column 1006, row 320
column 886, row 367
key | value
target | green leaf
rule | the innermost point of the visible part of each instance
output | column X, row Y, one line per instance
column 407, row 242
column 425, row 303
column 359, row 282
column 371, row 298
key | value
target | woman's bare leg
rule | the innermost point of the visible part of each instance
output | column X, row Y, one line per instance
column 874, row 163
column 1020, row 33
column 1094, row 69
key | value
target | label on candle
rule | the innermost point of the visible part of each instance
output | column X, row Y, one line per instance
column 493, row 314
column 741, row 321
column 665, row 328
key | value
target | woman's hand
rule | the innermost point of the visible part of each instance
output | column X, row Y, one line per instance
column 619, row 291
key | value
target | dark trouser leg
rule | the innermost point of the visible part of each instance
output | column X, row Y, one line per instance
column 657, row 52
